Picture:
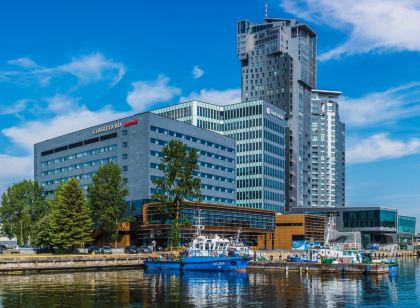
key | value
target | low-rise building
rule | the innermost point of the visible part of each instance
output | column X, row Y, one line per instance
column 297, row 231
column 256, row 226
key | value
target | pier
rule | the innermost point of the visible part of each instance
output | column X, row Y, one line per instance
column 319, row 268
column 34, row 264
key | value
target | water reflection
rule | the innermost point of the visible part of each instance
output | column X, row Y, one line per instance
column 140, row 288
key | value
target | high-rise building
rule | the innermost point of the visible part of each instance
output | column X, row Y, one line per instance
column 258, row 128
column 328, row 150
column 278, row 59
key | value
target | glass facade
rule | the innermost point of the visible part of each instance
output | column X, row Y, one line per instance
column 406, row 224
column 370, row 219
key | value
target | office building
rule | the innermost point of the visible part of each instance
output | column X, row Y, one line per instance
column 258, row 128
column 135, row 143
column 328, row 150
column 278, row 65
column 406, row 231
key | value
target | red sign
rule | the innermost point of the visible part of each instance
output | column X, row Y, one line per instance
column 129, row 123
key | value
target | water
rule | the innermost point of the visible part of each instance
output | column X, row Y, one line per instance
column 139, row 288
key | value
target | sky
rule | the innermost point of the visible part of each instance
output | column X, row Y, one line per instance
column 68, row 65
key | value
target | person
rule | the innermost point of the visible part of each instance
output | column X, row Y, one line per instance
column 271, row 258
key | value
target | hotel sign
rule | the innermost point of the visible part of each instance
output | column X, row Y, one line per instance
column 274, row 113
column 106, row 128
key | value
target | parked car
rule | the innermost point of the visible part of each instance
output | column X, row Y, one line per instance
column 160, row 248
column 3, row 247
column 106, row 250
column 94, row 249
column 131, row 249
column 145, row 249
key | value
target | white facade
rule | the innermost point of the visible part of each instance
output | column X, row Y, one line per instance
column 328, row 151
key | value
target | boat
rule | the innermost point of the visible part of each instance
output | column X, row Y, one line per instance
column 210, row 253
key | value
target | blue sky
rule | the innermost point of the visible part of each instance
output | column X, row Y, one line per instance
column 65, row 65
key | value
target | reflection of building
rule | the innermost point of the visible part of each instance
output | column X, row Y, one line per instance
column 278, row 65
column 224, row 220
column 328, row 146
column 377, row 225
column 406, row 231
column 298, row 229
column 258, row 128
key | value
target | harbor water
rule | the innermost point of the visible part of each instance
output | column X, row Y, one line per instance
column 143, row 288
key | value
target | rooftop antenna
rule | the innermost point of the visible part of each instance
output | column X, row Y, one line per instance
column 266, row 8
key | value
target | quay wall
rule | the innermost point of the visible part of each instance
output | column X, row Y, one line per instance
column 23, row 264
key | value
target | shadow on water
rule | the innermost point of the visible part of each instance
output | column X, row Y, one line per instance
column 154, row 288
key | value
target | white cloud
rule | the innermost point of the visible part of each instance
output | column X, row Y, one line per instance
column 380, row 147
column 371, row 25
column 87, row 69
column 61, row 103
column 29, row 133
column 390, row 105
column 197, row 72
column 15, row 108
column 14, row 169
column 147, row 93
column 218, row 97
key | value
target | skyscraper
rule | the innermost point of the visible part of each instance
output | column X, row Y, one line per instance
column 258, row 128
column 278, row 59
column 328, row 150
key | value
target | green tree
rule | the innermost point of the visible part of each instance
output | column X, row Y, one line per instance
column 106, row 197
column 22, row 204
column 177, row 184
column 70, row 221
column 42, row 235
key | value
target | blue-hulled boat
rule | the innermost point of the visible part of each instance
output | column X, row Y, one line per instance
column 209, row 253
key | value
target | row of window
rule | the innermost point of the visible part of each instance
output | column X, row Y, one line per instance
column 278, row 162
column 249, row 170
column 269, row 195
column 247, row 147
column 249, row 195
column 253, row 134
column 246, row 159
column 63, row 180
column 255, row 182
column 205, row 198
column 177, row 113
column 273, row 149
column 80, row 166
column 190, row 138
column 210, row 125
column 204, row 186
column 243, row 112
column 274, row 184
column 273, row 137
column 242, row 124
column 79, row 155
column 79, row 144
column 274, row 173
column 200, row 163
column 274, row 126
column 200, row 152
column 202, row 175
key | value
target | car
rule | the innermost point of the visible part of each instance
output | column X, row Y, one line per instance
column 94, row 250
column 131, row 249
column 106, row 250
column 3, row 247
column 145, row 249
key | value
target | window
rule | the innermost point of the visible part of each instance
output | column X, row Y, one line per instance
column 124, row 144
column 124, row 156
column 124, row 132
column 124, row 168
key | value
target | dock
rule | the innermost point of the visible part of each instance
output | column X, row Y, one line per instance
column 66, row 263
column 319, row 268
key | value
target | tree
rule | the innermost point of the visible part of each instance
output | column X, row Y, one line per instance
column 42, row 235
column 177, row 184
column 106, row 196
column 70, row 221
column 22, row 204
